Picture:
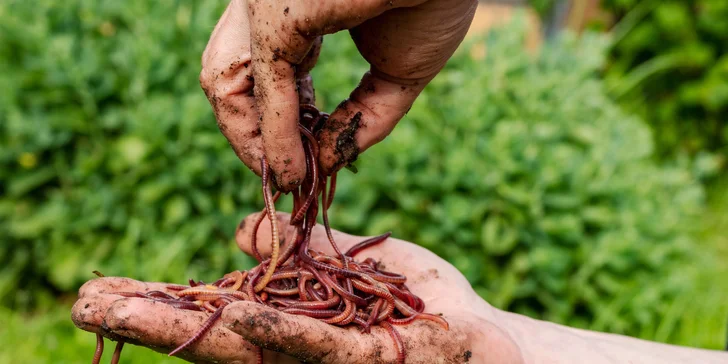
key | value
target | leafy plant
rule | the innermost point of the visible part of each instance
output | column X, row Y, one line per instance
column 672, row 67
column 520, row 171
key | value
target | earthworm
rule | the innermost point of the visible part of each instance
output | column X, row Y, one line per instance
column 99, row 349
column 398, row 344
column 117, row 352
column 205, row 328
column 332, row 189
column 311, row 313
column 270, row 206
column 344, row 317
column 256, row 225
column 372, row 316
column 356, row 249
column 421, row 316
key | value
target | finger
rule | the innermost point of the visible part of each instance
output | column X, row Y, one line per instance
column 163, row 328
column 227, row 80
column 282, row 33
column 304, row 82
column 319, row 239
column 97, row 295
column 88, row 312
column 406, row 48
column 118, row 284
column 305, row 338
column 366, row 118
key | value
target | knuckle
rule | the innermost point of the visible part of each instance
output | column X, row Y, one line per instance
column 207, row 80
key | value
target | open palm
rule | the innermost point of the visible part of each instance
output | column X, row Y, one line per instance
column 473, row 335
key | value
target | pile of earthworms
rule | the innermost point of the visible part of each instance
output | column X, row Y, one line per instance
column 337, row 289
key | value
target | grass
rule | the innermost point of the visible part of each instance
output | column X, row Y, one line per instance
column 706, row 308
column 51, row 337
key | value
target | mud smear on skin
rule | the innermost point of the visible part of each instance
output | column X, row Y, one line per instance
column 346, row 148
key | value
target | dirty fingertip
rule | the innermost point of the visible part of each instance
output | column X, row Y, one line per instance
column 304, row 338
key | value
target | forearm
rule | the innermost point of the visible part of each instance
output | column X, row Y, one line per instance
column 544, row 342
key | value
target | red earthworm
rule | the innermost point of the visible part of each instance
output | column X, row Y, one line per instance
column 159, row 294
column 296, row 200
column 278, row 303
column 313, row 167
column 327, row 227
column 404, row 296
column 332, row 189
column 204, row 295
column 359, row 321
column 281, row 292
column 202, row 331
column 340, row 290
column 184, row 305
column 329, row 289
column 403, row 308
column 313, row 292
column 249, row 287
column 317, row 305
column 195, row 284
column 356, row 249
column 312, row 313
column 208, row 306
column 220, row 282
column 99, row 349
column 372, row 316
column 385, row 312
column 374, row 287
column 329, row 268
column 314, row 145
column 176, row 287
column 290, row 248
column 309, row 108
column 420, row 316
column 302, row 294
column 131, row 294
column 384, row 276
column 239, row 278
column 399, row 345
column 344, row 317
column 256, row 226
column 117, row 352
column 259, row 355
column 327, row 259
column 270, row 206
column 289, row 274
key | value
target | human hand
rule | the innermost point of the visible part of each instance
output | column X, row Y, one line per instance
column 474, row 335
column 255, row 72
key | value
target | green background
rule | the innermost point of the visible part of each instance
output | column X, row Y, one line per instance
column 520, row 169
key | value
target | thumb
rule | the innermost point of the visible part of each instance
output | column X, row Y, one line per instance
column 373, row 109
column 256, row 227
column 305, row 338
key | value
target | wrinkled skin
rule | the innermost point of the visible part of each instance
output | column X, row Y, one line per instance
column 255, row 71
column 474, row 336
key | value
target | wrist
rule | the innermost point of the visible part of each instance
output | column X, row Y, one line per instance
column 492, row 341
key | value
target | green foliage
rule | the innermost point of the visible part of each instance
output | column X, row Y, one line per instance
column 518, row 170
column 525, row 175
column 110, row 153
column 670, row 62
column 50, row 337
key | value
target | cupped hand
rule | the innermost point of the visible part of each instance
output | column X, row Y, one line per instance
column 255, row 72
column 475, row 334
